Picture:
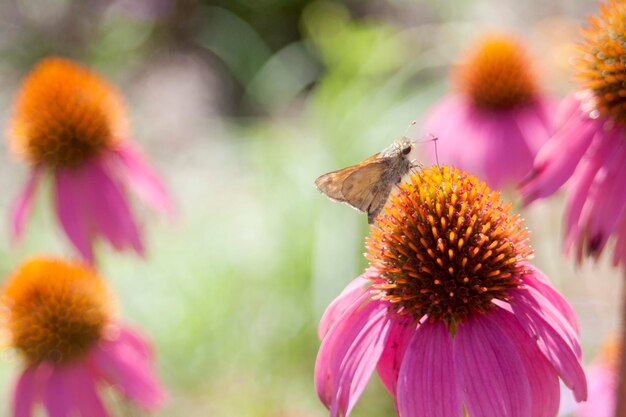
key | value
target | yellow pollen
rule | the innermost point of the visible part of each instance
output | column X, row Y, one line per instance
column 447, row 267
column 65, row 114
column 54, row 311
column 496, row 74
column 600, row 67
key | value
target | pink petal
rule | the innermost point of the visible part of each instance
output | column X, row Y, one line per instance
column 353, row 292
column 400, row 334
column 491, row 371
column 569, row 107
column 427, row 384
column 555, row 337
column 558, row 158
column 541, row 283
column 23, row 205
column 619, row 253
column 142, row 178
column 534, row 121
column 110, row 213
column 70, row 209
column 124, row 363
column 25, row 393
column 542, row 378
column 71, row 392
column 348, row 356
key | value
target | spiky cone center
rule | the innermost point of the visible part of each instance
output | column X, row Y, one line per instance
column 446, row 247
column 601, row 67
column 65, row 114
column 496, row 74
column 54, row 311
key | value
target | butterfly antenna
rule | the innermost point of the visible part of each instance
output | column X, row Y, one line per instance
column 413, row 123
column 435, row 139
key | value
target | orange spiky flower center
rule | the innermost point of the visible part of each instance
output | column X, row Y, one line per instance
column 446, row 247
column 65, row 114
column 496, row 74
column 54, row 311
column 601, row 68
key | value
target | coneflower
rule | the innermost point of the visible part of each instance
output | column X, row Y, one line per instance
column 70, row 123
column 450, row 312
column 500, row 110
column 59, row 318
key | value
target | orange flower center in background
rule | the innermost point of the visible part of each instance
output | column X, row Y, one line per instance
column 602, row 66
column 446, row 246
column 65, row 114
column 54, row 311
column 496, row 74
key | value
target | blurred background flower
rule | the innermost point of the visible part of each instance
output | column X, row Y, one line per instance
column 239, row 117
column 59, row 318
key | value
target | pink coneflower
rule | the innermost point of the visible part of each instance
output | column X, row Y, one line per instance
column 70, row 123
column 589, row 146
column 497, row 105
column 58, row 317
column 450, row 312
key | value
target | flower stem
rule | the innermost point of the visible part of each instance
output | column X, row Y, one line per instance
column 620, row 395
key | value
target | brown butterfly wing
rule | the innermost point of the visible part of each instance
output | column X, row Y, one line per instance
column 366, row 189
column 331, row 184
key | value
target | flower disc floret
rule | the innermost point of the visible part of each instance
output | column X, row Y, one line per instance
column 496, row 74
column 54, row 311
column 65, row 115
column 446, row 247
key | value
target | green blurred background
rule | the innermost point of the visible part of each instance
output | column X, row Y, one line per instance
column 241, row 104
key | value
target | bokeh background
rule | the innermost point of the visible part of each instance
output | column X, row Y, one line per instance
column 241, row 104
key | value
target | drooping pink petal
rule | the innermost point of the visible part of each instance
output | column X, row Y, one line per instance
column 25, row 393
column 125, row 364
column 541, row 283
column 339, row 305
column 81, row 386
column 71, row 210
column 491, row 371
column 400, row 333
column 142, row 178
column 578, row 194
column 534, row 122
column 23, row 205
column 57, row 398
column 607, row 202
column 110, row 213
column 568, row 108
column 427, row 384
column 542, row 378
column 555, row 337
column 348, row 356
column 558, row 158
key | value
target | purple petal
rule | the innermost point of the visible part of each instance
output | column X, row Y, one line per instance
column 542, row 378
column 109, row 209
column 353, row 292
column 124, row 363
column 25, row 393
column 348, row 356
column 70, row 190
column 541, row 283
column 427, row 386
column 491, row 371
column 400, row 333
column 534, row 122
column 569, row 107
column 71, row 392
column 558, row 158
column 23, row 205
column 142, row 178
column 555, row 337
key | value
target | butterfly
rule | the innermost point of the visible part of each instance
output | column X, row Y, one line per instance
column 367, row 185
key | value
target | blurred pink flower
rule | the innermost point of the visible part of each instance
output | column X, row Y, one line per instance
column 497, row 120
column 58, row 317
column 602, row 378
column 70, row 123
column 449, row 312
column 588, row 148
